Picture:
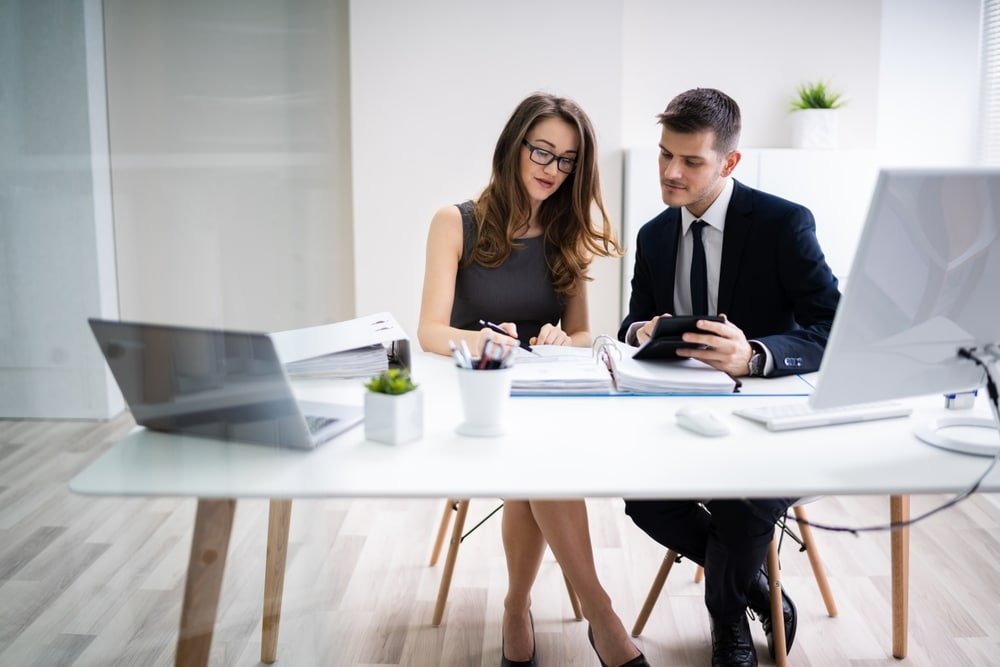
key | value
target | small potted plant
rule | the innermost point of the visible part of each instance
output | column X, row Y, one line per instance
column 815, row 116
column 394, row 408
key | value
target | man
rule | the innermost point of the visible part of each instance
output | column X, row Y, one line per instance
column 724, row 248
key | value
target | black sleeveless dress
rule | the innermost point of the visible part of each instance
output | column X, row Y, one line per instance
column 519, row 291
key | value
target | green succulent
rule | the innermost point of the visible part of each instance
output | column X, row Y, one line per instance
column 816, row 95
column 392, row 381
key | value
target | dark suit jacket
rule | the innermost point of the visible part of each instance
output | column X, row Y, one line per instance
column 774, row 283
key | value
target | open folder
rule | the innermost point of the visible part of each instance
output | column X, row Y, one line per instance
column 609, row 368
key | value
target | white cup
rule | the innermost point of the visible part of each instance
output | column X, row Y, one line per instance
column 485, row 395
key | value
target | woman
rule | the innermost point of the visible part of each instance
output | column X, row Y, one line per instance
column 518, row 255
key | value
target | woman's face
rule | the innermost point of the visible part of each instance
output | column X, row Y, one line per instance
column 550, row 139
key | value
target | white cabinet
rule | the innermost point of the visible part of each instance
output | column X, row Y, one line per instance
column 836, row 185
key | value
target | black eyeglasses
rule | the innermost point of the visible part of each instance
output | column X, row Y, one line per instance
column 543, row 157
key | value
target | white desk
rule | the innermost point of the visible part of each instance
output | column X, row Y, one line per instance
column 556, row 447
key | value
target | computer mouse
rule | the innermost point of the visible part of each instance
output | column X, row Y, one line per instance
column 701, row 421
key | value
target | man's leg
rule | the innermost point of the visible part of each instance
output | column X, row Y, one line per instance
column 736, row 546
column 681, row 525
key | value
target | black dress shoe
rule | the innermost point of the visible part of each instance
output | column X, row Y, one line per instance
column 759, row 598
column 504, row 662
column 637, row 661
column 732, row 645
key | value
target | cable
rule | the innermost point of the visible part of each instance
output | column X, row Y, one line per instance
column 991, row 388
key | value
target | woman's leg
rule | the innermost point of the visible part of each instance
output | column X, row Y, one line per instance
column 524, row 547
column 564, row 525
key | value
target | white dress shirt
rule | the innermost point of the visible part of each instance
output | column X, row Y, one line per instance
column 711, row 237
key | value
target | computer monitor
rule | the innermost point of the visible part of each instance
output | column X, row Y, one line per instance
column 924, row 283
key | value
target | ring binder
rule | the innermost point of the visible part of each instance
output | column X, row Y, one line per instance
column 360, row 347
column 567, row 371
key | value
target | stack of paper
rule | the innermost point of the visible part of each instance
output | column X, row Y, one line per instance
column 360, row 362
column 555, row 369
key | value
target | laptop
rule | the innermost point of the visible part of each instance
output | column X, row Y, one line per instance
column 227, row 385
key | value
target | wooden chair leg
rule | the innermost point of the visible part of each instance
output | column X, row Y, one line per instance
column 699, row 574
column 574, row 600
column 449, row 507
column 805, row 530
column 213, row 525
column 654, row 592
column 278, row 520
column 899, row 510
column 449, row 561
column 777, row 611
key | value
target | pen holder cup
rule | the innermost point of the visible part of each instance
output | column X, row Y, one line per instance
column 485, row 395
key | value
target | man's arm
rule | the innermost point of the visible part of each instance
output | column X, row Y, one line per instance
column 811, row 289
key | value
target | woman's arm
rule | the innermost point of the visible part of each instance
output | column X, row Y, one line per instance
column 444, row 251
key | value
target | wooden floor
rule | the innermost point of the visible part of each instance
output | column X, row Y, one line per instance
column 99, row 581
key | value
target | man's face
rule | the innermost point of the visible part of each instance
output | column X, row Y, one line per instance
column 692, row 172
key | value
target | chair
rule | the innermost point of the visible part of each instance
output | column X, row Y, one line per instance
column 806, row 543
column 461, row 509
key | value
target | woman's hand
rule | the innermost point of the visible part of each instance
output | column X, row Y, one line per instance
column 551, row 335
column 485, row 334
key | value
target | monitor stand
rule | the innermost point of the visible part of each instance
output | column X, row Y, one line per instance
column 965, row 433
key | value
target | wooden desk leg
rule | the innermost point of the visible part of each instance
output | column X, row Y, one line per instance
column 278, row 519
column 899, row 510
column 213, row 524
column 449, row 562
column 777, row 606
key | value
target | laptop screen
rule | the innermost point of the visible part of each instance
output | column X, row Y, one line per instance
column 219, row 384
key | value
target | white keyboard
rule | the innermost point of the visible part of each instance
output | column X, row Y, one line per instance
column 801, row 415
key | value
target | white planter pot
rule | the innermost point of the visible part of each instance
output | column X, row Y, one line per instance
column 394, row 419
column 815, row 128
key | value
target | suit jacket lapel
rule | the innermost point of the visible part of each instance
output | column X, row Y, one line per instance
column 668, row 267
column 739, row 224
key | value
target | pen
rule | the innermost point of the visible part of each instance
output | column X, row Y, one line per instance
column 456, row 355
column 466, row 354
column 499, row 330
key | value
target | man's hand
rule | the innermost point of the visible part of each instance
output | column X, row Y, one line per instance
column 728, row 349
column 645, row 332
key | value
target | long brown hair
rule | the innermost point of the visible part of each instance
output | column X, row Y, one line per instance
column 571, row 237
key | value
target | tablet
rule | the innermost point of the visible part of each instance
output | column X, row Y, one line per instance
column 666, row 338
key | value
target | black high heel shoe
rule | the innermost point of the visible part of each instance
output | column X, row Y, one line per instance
column 637, row 661
column 505, row 662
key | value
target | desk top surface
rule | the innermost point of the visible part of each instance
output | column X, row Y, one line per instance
column 554, row 447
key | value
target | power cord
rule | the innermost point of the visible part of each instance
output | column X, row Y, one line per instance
column 991, row 387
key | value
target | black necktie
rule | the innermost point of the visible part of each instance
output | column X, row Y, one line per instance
column 699, row 272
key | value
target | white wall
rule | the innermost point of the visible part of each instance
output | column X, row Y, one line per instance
column 757, row 52
column 929, row 82
column 432, row 84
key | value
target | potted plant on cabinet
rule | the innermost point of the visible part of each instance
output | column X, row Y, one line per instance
column 815, row 116
column 394, row 408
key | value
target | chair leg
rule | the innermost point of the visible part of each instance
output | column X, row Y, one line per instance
column 449, row 507
column 654, row 592
column 449, row 561
column 777, row 612
column 805, row 530
column 574, row 600
column 699, row 574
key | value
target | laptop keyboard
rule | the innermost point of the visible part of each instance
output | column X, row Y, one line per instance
column 317, row 424
column 801, row 415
